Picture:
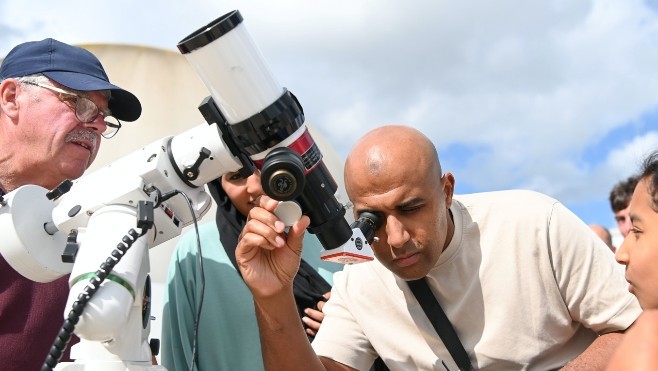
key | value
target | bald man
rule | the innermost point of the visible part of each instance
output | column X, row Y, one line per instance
column 604, row 235
column 523, row 281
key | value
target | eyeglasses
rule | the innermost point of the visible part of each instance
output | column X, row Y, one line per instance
column 85, row 109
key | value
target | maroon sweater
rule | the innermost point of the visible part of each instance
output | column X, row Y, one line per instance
column 31, row 314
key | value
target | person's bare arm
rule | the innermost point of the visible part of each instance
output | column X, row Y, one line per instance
column 597, row 355
column 268, row 259
column 638, row 349
column 284, row 343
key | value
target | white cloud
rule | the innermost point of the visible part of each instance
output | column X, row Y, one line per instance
column 527, row 86
column 627, row 159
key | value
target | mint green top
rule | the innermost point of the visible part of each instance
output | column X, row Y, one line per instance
column 228, row 333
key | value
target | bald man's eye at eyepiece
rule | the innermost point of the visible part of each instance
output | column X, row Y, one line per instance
column 410, row 209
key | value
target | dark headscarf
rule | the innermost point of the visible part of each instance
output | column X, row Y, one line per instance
column 308, row 285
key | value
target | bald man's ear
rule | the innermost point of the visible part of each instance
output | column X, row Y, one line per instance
column 8, row 94
column 448, row 187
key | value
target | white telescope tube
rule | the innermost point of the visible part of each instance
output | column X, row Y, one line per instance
column 231, row 66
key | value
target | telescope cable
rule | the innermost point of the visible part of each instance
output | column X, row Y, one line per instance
column 203, row 283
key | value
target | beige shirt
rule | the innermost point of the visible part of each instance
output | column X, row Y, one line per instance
column 525, row 283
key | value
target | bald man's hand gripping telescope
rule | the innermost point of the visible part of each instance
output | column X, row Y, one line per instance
column 100, row 227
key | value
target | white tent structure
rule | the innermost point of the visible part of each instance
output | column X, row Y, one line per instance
column 170, row 93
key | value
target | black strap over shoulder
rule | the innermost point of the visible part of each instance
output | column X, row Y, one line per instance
column 441, row 323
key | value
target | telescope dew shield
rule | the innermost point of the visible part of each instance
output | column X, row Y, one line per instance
column 228, row 62
column 259, row 112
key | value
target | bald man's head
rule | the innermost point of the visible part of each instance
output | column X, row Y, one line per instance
column 604, row 234
column 390, row 153
column 394, row 172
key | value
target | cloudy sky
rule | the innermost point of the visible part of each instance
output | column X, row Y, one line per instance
column 558, row 96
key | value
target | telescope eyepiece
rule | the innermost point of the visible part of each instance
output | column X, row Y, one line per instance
column 368, row 223
column 282, row 174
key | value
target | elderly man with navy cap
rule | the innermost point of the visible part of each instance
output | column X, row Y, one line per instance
column 56, row 102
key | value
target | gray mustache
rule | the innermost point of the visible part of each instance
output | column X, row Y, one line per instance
column 80, row 134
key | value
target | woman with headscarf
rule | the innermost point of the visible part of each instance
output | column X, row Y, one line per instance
column 225, row 335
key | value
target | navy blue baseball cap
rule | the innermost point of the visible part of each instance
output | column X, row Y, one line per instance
column 71, row 66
